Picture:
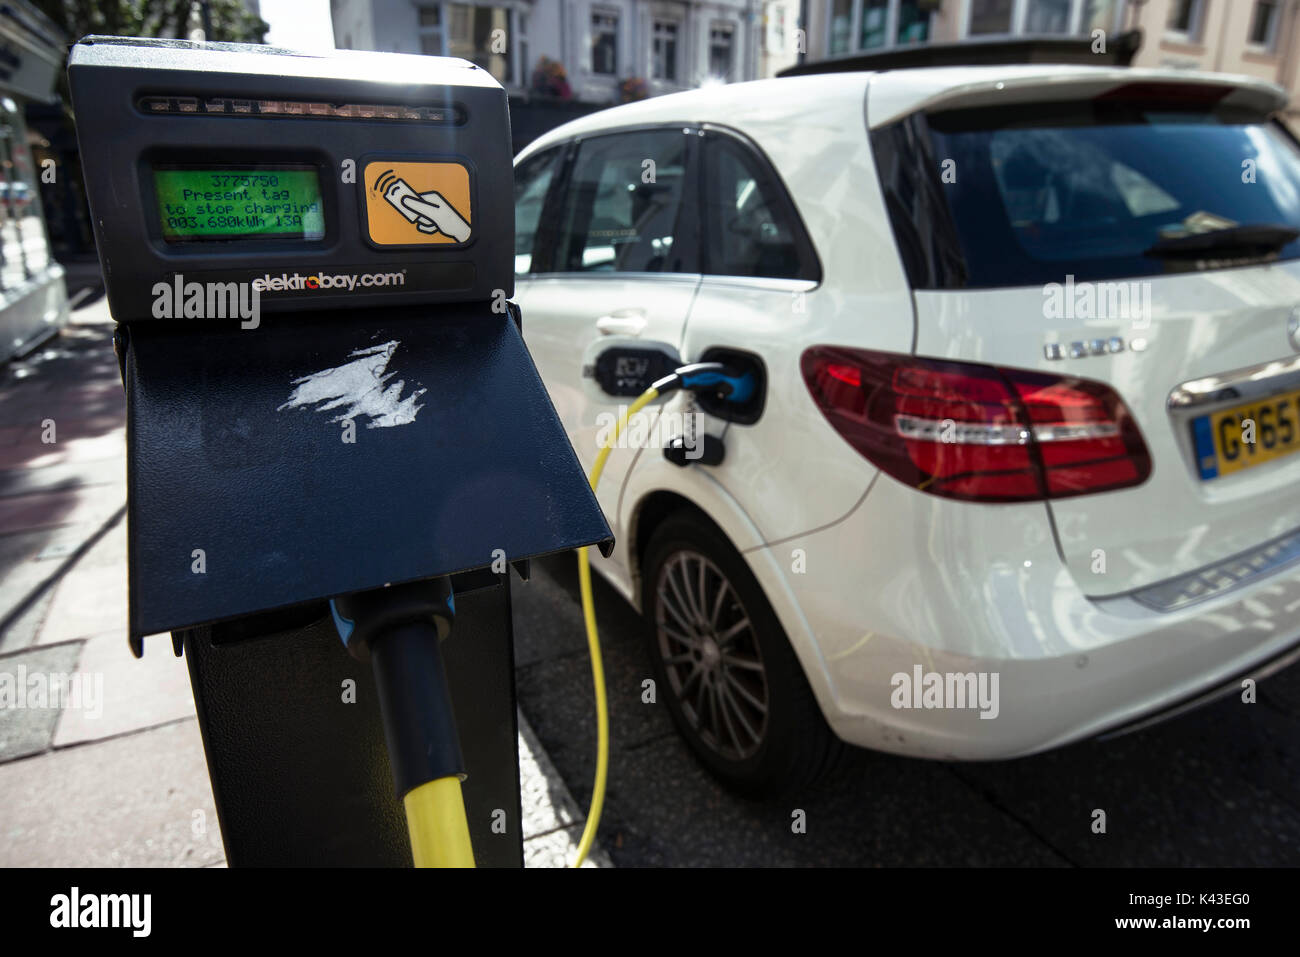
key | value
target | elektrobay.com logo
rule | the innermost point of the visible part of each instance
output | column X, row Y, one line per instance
column 297, row 282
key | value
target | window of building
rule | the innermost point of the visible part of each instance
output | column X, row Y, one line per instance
column 1043, row 17
column 1048, row 16
column 721, row 42
column 865, row 25
column 481, row 34
column 913, row 22
column 990, row 16
column 663, row 53
column 1186, row 18
column 841, row 24
column 1101, row 15
column 604, row 43
column 774, row 24
column 431, row 31
column 1263, row 25
column 484, row 34
column 874, row 31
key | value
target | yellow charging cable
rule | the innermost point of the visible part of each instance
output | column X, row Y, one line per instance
column 435, row 811
column 593, row 642
column 435, row 817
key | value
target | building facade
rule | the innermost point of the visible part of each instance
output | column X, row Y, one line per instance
column 609, row 50
column 1256, row 37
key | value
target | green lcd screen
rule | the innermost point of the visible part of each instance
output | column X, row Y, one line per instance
column 281, row 202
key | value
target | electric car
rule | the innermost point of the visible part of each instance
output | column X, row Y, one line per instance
column 1025, row 468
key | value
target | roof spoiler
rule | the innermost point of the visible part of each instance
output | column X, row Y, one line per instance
column 894, row 94
column 1119, row 50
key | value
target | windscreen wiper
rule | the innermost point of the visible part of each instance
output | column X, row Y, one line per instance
column 1259, row 239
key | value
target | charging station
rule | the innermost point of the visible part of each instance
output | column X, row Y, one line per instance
column 335, row 434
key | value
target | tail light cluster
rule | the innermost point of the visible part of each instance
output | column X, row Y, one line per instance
column 976, row 432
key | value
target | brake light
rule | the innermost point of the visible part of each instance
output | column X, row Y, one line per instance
column 976, row 432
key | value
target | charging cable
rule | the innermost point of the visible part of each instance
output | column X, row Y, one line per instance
column 697, row 377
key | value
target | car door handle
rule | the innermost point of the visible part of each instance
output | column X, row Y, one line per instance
column 622, row 322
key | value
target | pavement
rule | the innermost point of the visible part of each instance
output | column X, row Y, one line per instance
column 112, row 771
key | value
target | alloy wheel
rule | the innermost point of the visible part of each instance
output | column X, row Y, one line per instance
column 711, row 656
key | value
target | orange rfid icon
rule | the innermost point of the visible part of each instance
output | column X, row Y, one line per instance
column 413, row 203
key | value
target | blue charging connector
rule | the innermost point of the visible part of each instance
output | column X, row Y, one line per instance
column 727, row 384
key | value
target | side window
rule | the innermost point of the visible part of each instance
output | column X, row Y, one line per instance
column 622, row 204
column 748, row 222
column 532, row 180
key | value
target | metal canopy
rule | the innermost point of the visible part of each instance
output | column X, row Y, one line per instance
column 245, row 496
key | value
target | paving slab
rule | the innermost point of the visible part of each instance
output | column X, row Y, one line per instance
column 141, row 800
column 85, row 449
column 25, row 481
column 552, row 820
column 29, row 728
column 50, row 509
column 21, row 632
column 138, row 693
column 89, row 600
column 557, row 849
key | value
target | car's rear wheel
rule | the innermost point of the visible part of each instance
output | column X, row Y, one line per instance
column 731, row 681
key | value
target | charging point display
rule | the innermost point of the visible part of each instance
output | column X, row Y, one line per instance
column 253, row 202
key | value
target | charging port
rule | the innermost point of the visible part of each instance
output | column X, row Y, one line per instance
column 741, row 363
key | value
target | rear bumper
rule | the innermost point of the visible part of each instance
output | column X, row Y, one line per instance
column 1235, row 685
column 911, row 584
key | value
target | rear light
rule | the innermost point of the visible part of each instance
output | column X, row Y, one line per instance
column 976, row 432
column 1159, row 95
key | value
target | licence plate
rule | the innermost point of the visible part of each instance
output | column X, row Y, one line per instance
column 1222, row 438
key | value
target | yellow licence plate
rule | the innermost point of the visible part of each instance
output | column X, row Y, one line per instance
column 1247, row 435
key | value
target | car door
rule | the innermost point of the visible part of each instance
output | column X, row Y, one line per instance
column 761, row 294
column 615, row 256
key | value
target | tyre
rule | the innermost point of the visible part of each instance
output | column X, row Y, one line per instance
column 731, row 681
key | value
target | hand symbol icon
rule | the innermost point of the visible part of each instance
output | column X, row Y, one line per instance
column 430, row 212
column 437, row 215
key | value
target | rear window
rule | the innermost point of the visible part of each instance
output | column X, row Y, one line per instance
column 1023, row 196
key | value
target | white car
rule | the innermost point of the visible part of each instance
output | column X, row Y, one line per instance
column 1025, row 468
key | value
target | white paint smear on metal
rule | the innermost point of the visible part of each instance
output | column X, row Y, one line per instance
column 362, row 388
